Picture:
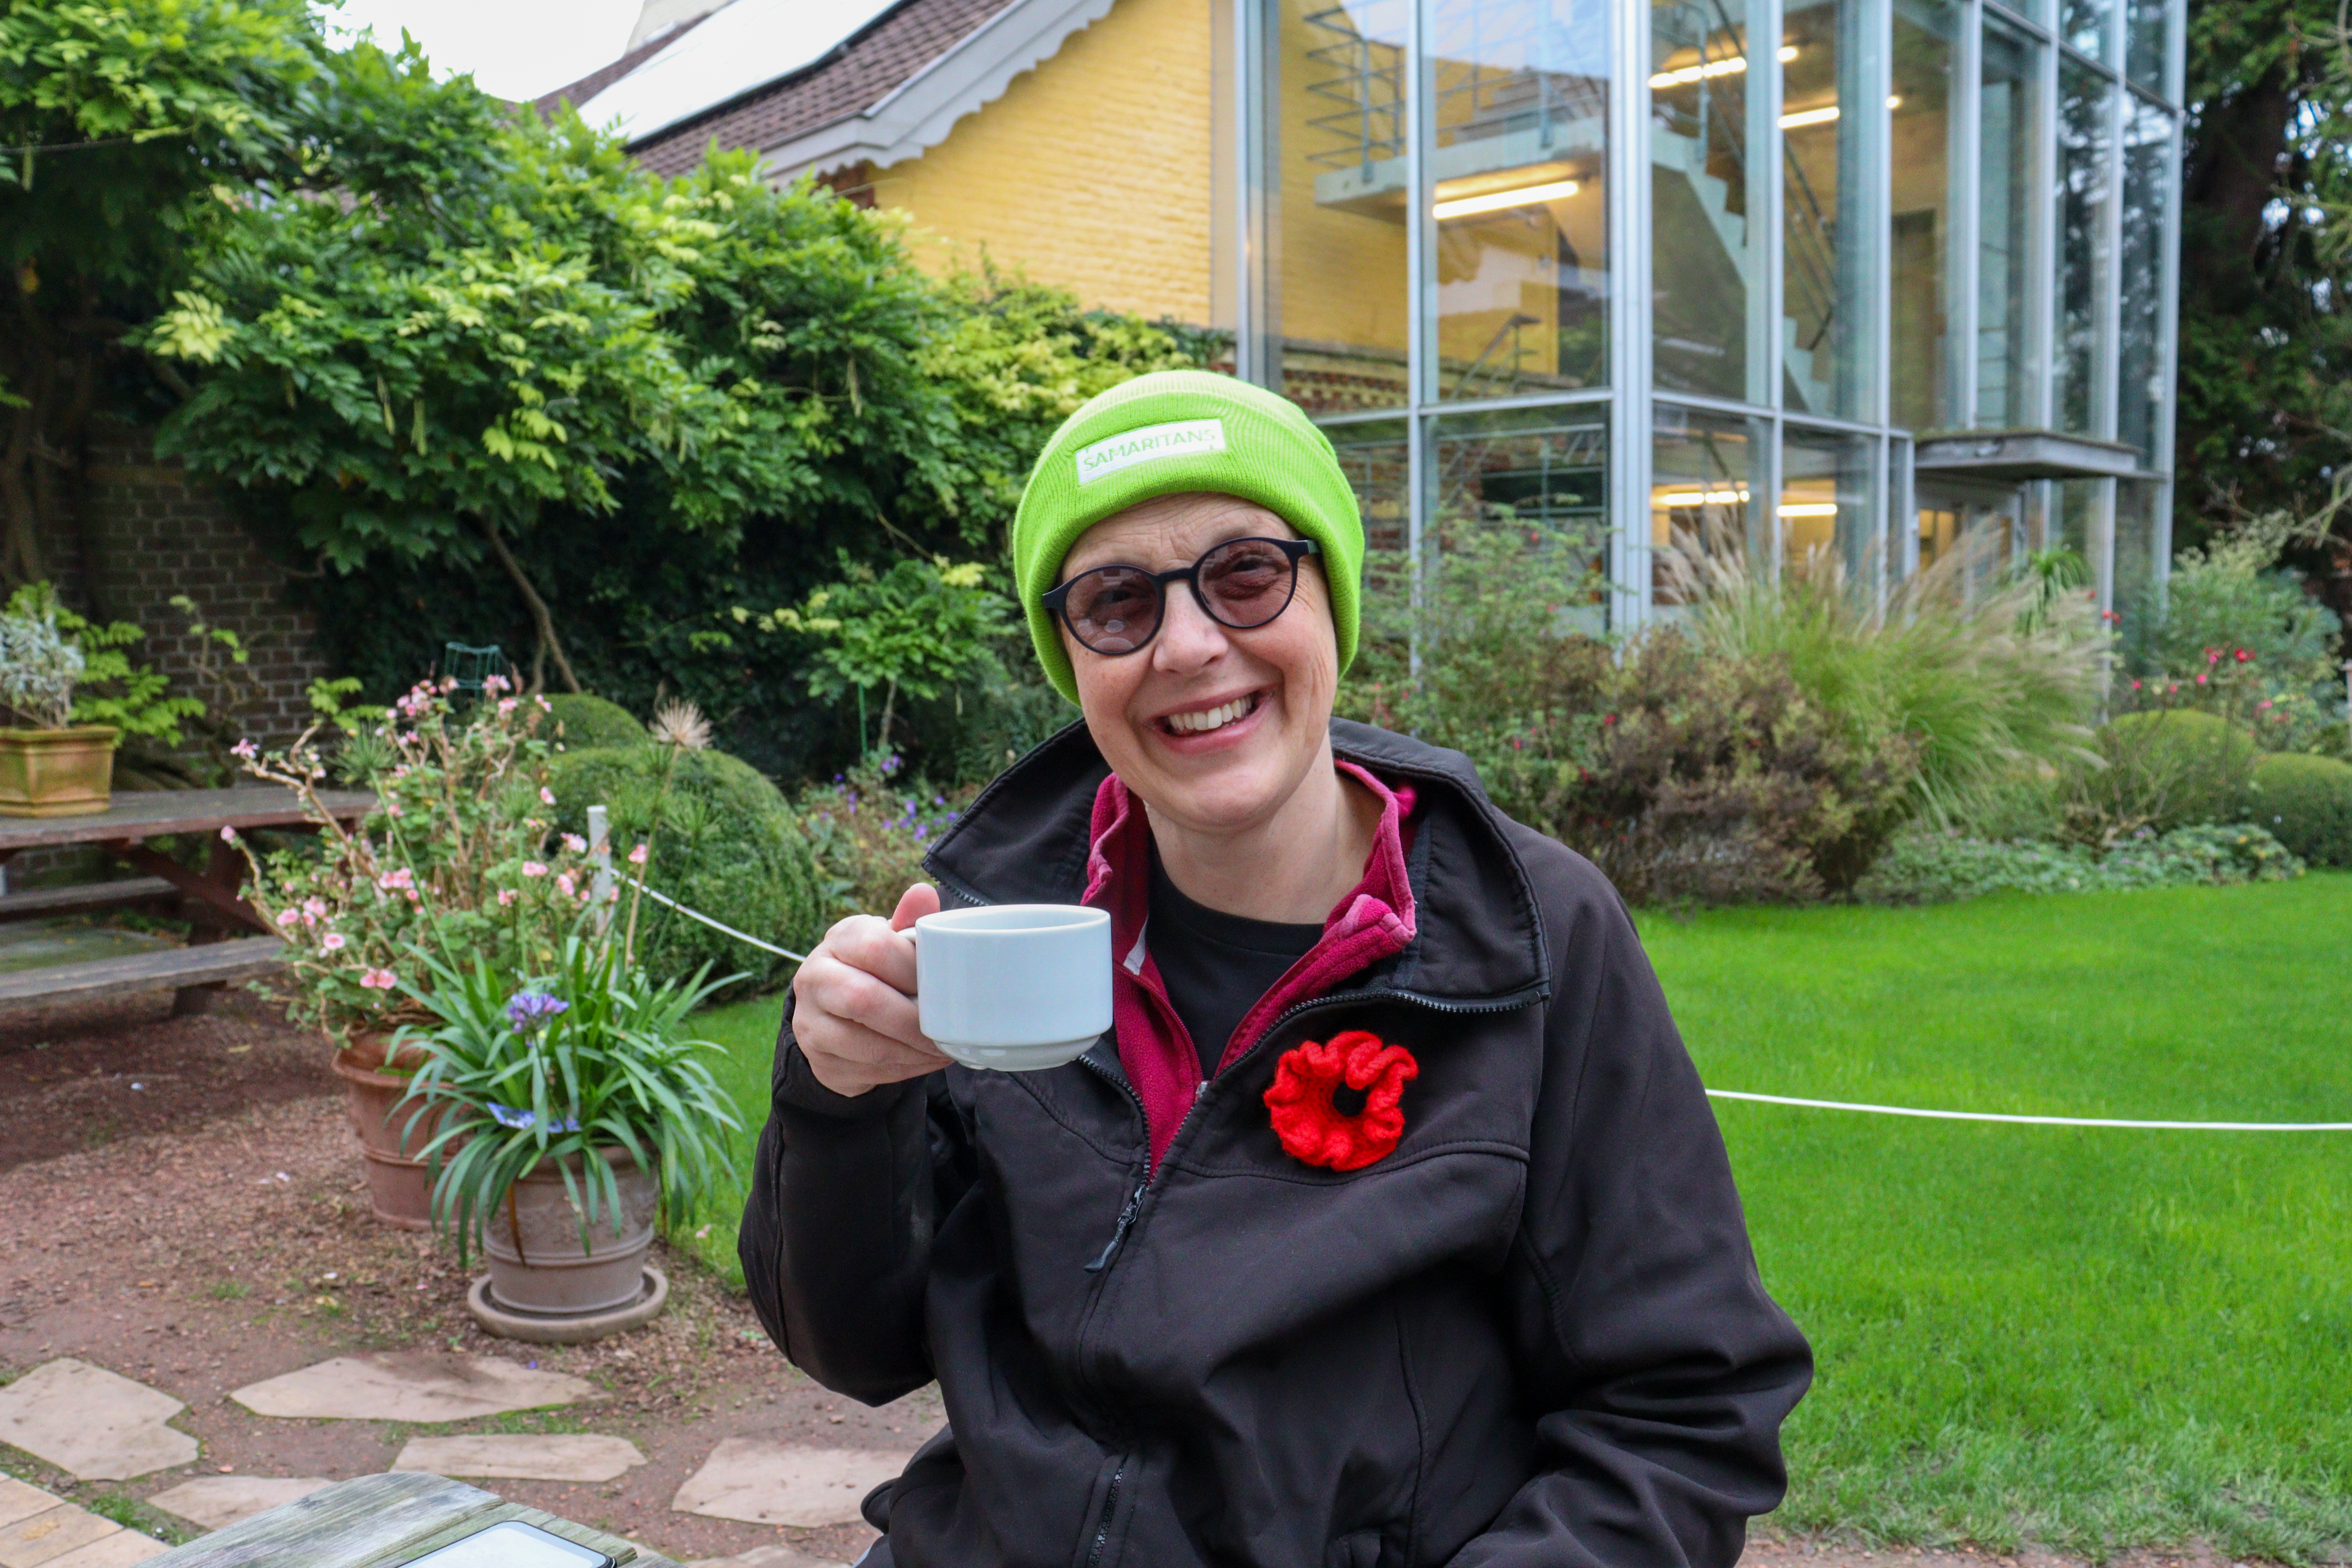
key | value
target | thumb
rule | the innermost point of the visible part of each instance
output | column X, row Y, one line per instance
column 917, row 901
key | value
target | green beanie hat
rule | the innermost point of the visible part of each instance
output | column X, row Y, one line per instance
column 1173, row 431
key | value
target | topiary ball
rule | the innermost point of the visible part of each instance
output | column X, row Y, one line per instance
column 593, row 721
column 2187, row 766
column 2306, row 803
column 726, row 844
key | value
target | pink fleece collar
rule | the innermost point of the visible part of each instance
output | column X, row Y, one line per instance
column 1162, row 1062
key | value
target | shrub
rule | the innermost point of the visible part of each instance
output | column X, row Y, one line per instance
column 2306, row 802
column 725, row 843
column 1932, row 867
column 2161, row 770
column 590, row 722
column 871, row 829
column 1688, row 776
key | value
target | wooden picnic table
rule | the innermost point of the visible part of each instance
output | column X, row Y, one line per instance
column 209, row 896
column 380, row 1521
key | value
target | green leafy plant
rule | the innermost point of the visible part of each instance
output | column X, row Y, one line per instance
column 871, row 827
column 582, row 721
column 95, row 682
column 588, row 1055
column 1935, row 866
column 2156, row 771
column 2306, row 802
column 913, row 628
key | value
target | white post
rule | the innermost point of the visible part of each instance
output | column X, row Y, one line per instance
column 600, row 854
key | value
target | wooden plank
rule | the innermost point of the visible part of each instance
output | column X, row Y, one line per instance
column 34, row 902
column 245, row 958
column 624, row 1553
column 150, row 814
column 347, row 1525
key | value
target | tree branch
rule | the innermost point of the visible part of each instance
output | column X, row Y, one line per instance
column 544, row 623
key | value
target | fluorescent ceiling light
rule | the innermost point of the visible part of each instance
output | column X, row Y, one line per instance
column 1809, row 509
column 1805, row 117
column 1686, row 75
column 1496, row 201
column 1699, row 498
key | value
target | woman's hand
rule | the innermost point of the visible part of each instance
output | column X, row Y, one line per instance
column 855, row 1015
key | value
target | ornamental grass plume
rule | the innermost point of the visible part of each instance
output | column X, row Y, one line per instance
column 682, row 727
column 1987, row 667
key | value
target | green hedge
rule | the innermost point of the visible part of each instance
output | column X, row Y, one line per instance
column 592, row 722
column 2180, row 767
column 2306, row 803
column 727, row 845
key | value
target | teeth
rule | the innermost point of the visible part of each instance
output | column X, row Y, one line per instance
column 1214, row 719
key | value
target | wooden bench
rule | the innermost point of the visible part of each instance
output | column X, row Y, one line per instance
column 35, row 902
column 186, row 969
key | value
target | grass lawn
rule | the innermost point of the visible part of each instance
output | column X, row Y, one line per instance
column 2089, row 1338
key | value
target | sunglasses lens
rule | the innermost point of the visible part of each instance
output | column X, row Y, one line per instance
column 1113, row 609
column 1247, row 582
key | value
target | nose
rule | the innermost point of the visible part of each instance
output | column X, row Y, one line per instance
column 1189, row 641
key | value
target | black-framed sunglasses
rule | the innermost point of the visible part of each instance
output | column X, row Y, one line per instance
column 1241, row 583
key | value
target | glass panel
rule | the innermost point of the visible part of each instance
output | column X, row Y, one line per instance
column 2010, row 118
column 1977, row 533
column 1825, row 232
column 1827, row 507
column 2083, row 25
column 1375, row 456
column 2083, row 522
column 1341, row 130
column 1700, row 468
column 1520, row 144
column 1920, row 214
column 1705, row 269
column 1546, row 466
column 2150, row 170
column 2145, row 41
column 2082, row 260
column 2134, row 594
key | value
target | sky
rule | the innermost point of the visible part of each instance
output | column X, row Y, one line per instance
column 515, row 49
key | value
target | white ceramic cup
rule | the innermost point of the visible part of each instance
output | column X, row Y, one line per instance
column 1017, row 988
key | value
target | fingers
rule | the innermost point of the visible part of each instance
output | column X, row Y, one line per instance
column 856, row 1017
column 836, row 984
column 917, row 901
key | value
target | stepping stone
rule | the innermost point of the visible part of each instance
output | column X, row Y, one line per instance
column 766, row 1557
column 51, row 1534
column 420, row 1386
column 218, row 1501
column 86, row 1420
column 18, row 1501
column 120, row 1550
column 763, row 1480
column 579, row 1457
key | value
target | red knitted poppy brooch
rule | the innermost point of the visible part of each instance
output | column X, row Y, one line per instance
column 1313, row 1129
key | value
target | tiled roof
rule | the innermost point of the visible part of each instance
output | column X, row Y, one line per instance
column 857, row 74
column 579, row 93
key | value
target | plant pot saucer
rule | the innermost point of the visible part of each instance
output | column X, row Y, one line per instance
column 549, row 1329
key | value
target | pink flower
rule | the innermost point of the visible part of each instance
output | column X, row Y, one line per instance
column 400, row 880
column 332, row 941
column 506, row 897
column 506, row 704
column 379, row 980
column 228, row 835
column 533, row 869
column 495, row 683
column 546, row 796
column 288, row 917
column 314, row 908
column 637, row 856
column 245, row 750
column 392, row 809
column 563, row 880
column 577, row 845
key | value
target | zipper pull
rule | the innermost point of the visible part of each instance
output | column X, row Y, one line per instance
column 1126, row 1218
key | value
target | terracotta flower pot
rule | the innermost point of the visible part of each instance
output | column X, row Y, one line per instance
column 537, row 1265
column 58, row 773
column 400, row 1188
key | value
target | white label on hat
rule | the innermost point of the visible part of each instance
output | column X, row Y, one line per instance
column 1186, row 437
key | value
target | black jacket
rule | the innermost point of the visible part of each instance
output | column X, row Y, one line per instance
column 1533, row 1334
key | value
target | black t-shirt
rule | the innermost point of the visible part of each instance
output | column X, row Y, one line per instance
column 1217, row 965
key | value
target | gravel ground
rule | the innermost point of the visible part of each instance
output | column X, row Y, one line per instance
column 181, row 1202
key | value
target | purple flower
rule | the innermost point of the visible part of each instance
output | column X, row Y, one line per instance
column 530, row 1010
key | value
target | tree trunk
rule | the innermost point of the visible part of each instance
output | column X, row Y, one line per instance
column 549, row 643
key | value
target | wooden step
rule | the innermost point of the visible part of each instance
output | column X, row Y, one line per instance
column 245, row 958
column 37, row 902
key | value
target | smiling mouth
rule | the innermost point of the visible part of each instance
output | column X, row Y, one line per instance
column 1217, row 717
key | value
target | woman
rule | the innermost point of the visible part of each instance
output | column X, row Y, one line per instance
column 1388, row 1226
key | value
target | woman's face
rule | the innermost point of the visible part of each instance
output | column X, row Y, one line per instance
column 1214, row 727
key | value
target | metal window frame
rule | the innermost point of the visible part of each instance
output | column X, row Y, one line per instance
column 1628, row 161
column 1964, row 183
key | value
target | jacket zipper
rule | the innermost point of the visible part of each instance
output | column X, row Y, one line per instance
column 1110, row 1508
column 1126, row 1219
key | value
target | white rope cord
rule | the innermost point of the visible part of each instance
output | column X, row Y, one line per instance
column 716, row 925
column 2040, row 1121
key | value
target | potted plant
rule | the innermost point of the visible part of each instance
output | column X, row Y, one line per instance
column 460, row 855
column 575, row 1108
column 79, row 693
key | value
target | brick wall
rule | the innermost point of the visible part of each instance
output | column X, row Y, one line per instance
column 152, row 534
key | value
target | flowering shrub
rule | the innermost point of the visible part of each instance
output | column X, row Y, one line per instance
column 871, row 827
column 1935, row 867
column 459, row 857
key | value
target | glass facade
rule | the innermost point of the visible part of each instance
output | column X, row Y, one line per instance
column 1764, row 277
